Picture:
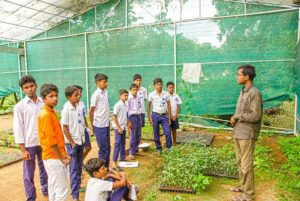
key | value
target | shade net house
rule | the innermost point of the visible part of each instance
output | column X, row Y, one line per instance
column 156, row 38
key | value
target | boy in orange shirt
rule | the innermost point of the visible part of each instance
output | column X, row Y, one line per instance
column 53, row 145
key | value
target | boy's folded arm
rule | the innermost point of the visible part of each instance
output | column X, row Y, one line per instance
column 120, row 183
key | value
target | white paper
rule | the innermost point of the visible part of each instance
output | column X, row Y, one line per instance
column 144, row 145
column 132, row 193
column 128, row 164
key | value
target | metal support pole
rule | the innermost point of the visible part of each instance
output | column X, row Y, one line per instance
column 295, row 115
column 200, row 9
column 19, row 69
column 86, row 71
column 296, row 96
column 126, row 13
column 25, row 58
column 69, row 27
column 95, row 20
column 175, row 58
column 245, row 7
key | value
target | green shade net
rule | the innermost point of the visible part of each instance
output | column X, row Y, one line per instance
column 57, row 61
column 9, row 72
column 267, row 41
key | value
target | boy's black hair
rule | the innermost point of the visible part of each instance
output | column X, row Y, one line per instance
column 248, row 70
column 93, row 165
column 100, row 76
column 156, row 80
column 78, row 87
column 26, row 79
column 133, row 85
column 137, row 76
column 123, row 91
column 170, row 83
column 70, row 90
column 47, row 89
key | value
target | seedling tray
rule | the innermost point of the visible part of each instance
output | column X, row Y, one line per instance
column 175, row 189
column 184, row 137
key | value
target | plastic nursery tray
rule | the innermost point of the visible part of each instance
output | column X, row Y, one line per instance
column 175, row 189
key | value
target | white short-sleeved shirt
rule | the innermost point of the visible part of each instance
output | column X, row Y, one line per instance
column 159, row 102
column 142, row 94
column 120, row 110
column 97, row 189
column 83, row 111
column 100, row 101
column 175, row 101
column 73, row 118
column 134, row 105
column 25, row 126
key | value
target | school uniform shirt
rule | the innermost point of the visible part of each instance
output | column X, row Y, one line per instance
column 82, row 110
column 100, row 101
column 25, row 126
column 175, row 101
column 159, row 102
column 50, row 133
column 97, row 189
column 142, row 94
column 72, row 117
column 134, row 105
column 120, row 110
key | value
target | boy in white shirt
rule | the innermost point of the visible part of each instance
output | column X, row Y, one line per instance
column 101, row 187
column 161, row 114
column 119, row 124
column 25, row 131
column 99, row 116
column 142, row 94
column 175, row 102
column 135, row 119
column 73, row 129
column 87, row 141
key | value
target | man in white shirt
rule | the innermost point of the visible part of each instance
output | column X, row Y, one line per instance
column 161, row 114
column 99, row 116
column 26, row 135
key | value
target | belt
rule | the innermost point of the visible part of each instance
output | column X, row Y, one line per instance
column 160, row 114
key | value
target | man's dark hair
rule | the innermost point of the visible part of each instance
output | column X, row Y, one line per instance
column 47, row 89
column 137, row 76
column 70, row 90
column 26, row 79
column 93, row 165
column 133, row 85
column 170, row 83
column 78, row 87
column 100, row 76
column 248, row 70
column 123, row 91
column 156, row 80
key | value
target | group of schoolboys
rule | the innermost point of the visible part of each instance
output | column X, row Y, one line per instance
column 61, row 147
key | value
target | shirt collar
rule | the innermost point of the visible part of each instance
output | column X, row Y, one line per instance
column 27, row 99
column 46, row 107
column 101, row 90
column 70, row 106
column 246, row 89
